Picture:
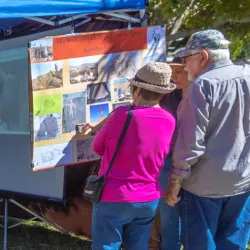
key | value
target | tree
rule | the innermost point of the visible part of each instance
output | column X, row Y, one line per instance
column 230, row 16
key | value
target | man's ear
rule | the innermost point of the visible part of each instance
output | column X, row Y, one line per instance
column 205, row 58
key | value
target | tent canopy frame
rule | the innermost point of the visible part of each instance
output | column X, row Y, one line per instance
column 119, row 16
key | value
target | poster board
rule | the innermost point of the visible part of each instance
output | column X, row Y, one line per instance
column 81, row 78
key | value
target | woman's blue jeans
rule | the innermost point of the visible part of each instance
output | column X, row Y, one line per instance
column 170, row 216
column 117, row 223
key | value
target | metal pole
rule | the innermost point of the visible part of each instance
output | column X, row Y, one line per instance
column 83, row 22
column 20, row 223
column 5, row 224
column 124, row 17
column 41, row 20
column 38, row 216
column 68, row 19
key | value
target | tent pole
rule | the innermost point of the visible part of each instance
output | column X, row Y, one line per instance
column 142, row 13
column 5, row 224
column 41, row 20
column 38, row 216
column 125, row 17
column 69, row 19
column 83, row 22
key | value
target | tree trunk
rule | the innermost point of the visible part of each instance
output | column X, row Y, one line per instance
column 179, row 20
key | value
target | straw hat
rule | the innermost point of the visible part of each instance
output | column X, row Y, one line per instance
column 155, row 77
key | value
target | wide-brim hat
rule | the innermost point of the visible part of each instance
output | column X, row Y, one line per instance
column 155, row 77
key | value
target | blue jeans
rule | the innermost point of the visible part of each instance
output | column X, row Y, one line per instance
column 215, row 223
column 116, row 223
column 170, row 216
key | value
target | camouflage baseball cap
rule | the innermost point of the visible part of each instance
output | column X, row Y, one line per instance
column 206, row 39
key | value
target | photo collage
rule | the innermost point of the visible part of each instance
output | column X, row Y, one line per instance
column 73, row 91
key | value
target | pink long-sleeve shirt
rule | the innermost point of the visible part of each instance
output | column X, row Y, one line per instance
column 134, row 175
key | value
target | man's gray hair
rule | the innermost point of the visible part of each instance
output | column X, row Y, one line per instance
column 218, row 54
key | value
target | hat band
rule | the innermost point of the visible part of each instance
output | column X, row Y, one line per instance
column 137, row 79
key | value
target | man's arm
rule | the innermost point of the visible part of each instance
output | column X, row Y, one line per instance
column 193, row 120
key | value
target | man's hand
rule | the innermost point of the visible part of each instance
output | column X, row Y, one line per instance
column 171, row 194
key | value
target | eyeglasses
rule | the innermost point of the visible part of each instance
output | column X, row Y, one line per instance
column 184, row 57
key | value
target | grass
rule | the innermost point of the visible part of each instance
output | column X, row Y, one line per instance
column 39, row 236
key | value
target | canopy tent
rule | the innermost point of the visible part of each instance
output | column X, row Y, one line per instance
column 59, row 12
column 34, row 18
column 20, row 18
column 28, row 8
column 21, row 26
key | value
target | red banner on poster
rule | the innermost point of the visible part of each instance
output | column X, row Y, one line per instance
column 99, row 43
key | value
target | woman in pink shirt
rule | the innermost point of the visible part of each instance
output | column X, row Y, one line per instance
column 130, row 197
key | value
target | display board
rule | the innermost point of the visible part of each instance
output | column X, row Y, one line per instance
column 16, row 174
column 81, row 78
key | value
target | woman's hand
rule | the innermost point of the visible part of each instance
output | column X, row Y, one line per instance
column 92, row 128
column 86, row 127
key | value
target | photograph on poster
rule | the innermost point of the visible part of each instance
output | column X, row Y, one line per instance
column 83, row 69
column 47, row 75
column 85, row 151
column 98, row 92
column 122, row 90
column 47, row 127
column 47, row 104
column 41, row 50
column 116, row 105
column 157, row 55
column 98, row 112
column 156, row 37
column 74, row 111
column 122, row 65
column 53, row 155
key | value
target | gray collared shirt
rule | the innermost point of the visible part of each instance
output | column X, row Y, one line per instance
column 212, row 150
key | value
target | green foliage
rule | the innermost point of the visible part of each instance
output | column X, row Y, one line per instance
column 165, row 10
column 204, row 13
column 239, row 34
column 230, row 16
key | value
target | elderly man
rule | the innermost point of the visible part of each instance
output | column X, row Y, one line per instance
column 211, row 159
